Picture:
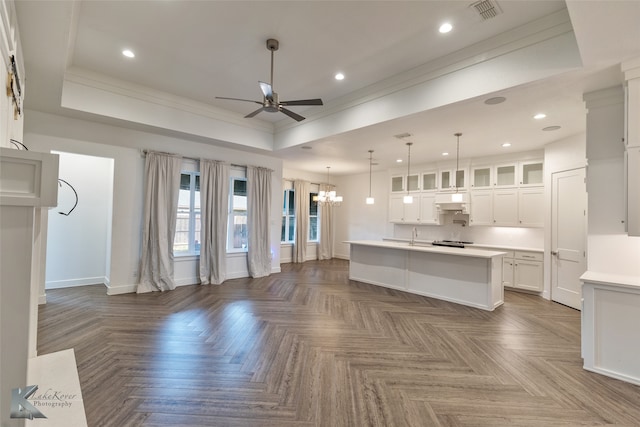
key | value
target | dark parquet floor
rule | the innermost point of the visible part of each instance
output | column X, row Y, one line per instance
column 308, row 347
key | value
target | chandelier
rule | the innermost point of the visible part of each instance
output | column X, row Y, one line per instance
column 328, row 197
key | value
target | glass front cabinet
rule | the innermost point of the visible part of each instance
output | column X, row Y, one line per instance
column 397, row 184
column 430, row 181
column 450, row 179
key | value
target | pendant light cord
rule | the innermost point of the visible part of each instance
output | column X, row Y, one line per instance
column 370, row 163
column 409, row 144
column 458, row 135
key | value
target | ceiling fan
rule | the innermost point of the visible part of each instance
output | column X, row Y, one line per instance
column 270, row 102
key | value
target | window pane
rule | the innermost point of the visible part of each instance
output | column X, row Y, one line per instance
column 313, row 205
column 181, row 239
column 185, row 181
column 187, row 236
column 292, row 228
column 239, row 187
column 283, row 237
column 292, row 207
column 313, row 228
column 239, row 230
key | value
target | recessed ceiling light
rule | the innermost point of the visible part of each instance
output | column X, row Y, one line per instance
column 495, row 100
column 506, row 144
column 399, row 161
column 128, row 53
column 339, row 76
column 445, row 28
column 550, row 128
column 445, row 154
column 540, row 116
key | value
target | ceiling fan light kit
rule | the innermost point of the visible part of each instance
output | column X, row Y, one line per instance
column 270, row 101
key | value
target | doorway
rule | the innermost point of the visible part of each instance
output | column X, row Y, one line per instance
column 568, row 236
column 79, row 228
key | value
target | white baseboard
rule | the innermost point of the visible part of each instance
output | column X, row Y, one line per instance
column 340, row 256
column 42, row 299
column 131, row 288
column 121, row 289
column 59, row 284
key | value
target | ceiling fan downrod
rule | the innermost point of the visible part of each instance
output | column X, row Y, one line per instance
column 272, row 45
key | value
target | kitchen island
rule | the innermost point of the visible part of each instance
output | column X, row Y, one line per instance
column 467, row 276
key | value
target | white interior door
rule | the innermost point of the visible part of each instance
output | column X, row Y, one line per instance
column 568, row 236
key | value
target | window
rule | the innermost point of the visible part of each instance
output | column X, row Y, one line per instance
column 313, row 217
column 237, row 231
column 288, row 217
column 187, row 237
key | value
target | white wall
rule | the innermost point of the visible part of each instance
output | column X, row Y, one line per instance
column 354, row 219
column 45, row 132
column 77, row 244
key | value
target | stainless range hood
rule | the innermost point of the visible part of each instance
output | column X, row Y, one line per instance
column 452, row 202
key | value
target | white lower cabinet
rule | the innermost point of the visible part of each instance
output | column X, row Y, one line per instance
column 610, row 318
column 523, row 270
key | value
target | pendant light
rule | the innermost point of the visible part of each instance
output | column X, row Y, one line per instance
column 370, row 199
column 457, row 197
column 408, row 199
column 329, row 197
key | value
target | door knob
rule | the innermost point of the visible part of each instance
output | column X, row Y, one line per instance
column 555, row 253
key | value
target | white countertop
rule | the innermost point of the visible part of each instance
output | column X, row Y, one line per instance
column 473, row 245
column 611, row 279
column 424, row 247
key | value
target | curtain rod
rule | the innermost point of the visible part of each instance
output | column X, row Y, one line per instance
column 144, row 153
column 314, row 183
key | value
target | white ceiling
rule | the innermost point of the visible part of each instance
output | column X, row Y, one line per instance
column 198, row 50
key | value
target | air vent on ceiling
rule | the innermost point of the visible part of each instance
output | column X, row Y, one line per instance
column 487, row 9
column 403, row 135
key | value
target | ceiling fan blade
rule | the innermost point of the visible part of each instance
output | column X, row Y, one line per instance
column 294, row 116
column 238, row 99
column 267, row 90
column 316, row 101
column 248, row 116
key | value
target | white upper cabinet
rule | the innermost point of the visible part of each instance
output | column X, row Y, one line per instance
column 506, row 175
column 531, row 173
column 481, row 177
column 481, row 208
column 413, row 182
column 428, row 212
column 505, row 207
column 531, row 207
column 397, row 184
column 450, row 179
column 429, row 181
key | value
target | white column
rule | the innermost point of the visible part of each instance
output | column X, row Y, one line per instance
column 28, row 181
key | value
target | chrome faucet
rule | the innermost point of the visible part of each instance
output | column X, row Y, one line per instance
column 414, row 235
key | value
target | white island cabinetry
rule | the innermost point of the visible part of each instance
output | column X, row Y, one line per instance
column 467, row 276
